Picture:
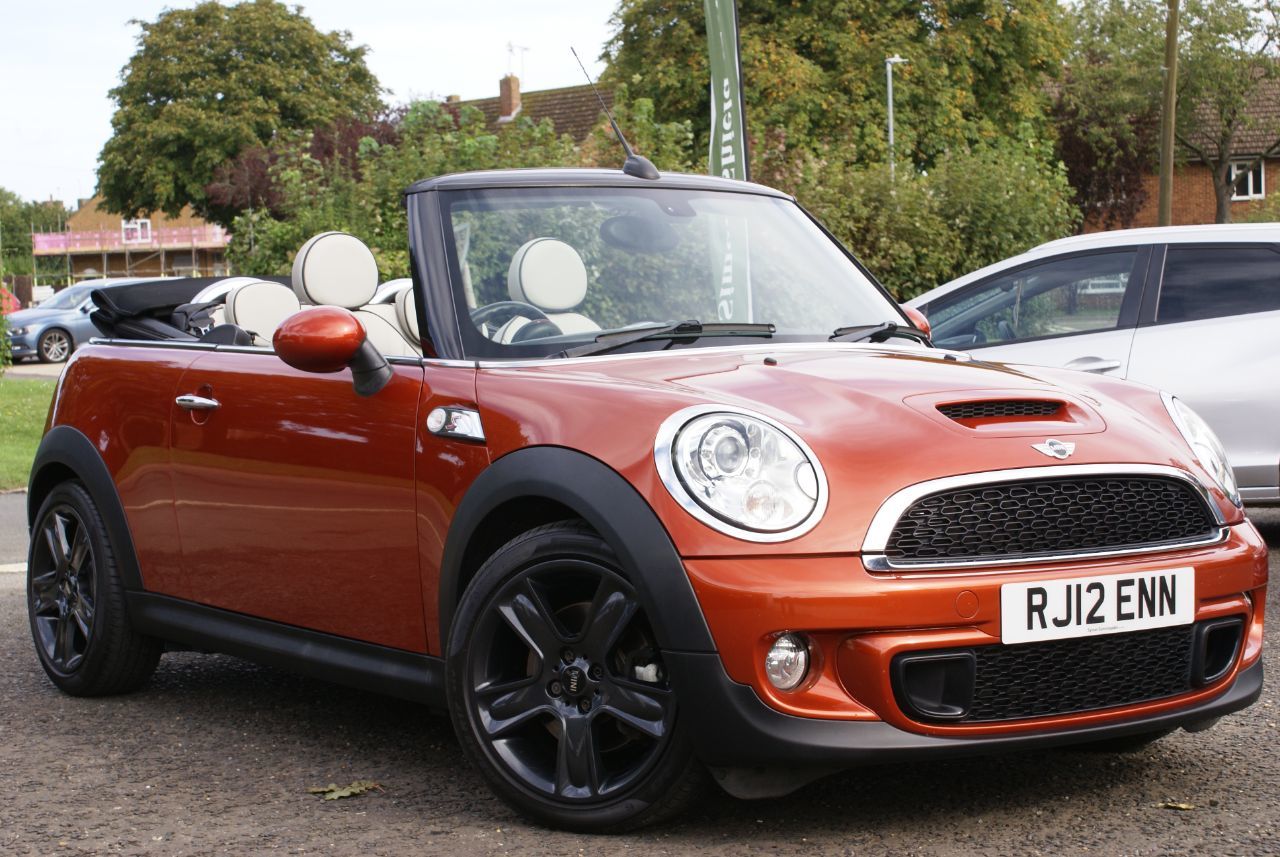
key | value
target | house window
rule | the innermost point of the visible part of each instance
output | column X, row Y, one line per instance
column 1247, row 182
column 135, row 231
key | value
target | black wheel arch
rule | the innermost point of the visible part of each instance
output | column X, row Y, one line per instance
column 65, row 453
column 539, row 484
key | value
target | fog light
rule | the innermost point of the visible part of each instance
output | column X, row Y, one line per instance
column 787, row 663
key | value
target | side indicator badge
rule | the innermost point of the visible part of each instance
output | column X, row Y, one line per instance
column 461, row 423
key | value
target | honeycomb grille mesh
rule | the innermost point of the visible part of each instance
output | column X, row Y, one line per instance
column 999, row 408
column 1048, row 516
column 1066, row 676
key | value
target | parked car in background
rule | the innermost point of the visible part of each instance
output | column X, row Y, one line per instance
column 57, row 326
column 1194, row 310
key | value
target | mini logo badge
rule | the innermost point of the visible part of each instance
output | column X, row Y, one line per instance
column 1055, row 448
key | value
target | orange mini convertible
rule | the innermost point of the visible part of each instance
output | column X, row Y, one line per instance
column 640, row 479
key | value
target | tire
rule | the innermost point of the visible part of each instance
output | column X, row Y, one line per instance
column 54, row 346
column 76, row 602
column 558, row 692
column 1125, row 743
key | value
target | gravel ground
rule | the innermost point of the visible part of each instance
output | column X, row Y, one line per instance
column 216, row 755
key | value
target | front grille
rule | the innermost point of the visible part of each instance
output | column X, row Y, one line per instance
column 1048, row 517
column 1000, row 408
column 1069, row 676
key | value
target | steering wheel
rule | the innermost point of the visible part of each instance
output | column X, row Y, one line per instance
column 493, row 316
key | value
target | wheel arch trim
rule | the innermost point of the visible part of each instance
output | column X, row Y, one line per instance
column 611, row 506
column 66, row 447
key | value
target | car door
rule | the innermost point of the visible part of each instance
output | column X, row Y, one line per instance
column 1208, row 335
column 1077, row 310
column 295, row 496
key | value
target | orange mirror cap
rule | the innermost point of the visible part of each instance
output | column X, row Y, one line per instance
column 321, row 339
column 918, row 319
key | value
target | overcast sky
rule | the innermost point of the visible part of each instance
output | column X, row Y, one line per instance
column 60, row 58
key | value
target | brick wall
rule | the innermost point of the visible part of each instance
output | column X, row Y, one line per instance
column 1193, row 200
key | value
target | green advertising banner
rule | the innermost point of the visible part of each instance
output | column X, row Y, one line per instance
column 728, row 159
column 728, row 125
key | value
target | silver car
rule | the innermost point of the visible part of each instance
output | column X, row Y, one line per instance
column 57, row 326
column 1194, row 310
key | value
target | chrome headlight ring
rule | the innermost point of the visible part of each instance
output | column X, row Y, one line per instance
column 724, row 464
column 1204, row 444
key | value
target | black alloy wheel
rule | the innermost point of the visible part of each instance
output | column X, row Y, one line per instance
column 558, row 689
column 54, row 346
column 76, row 603
column 62, row 588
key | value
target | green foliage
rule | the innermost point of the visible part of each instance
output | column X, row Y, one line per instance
column 366, row 200
column 208, row 82
column 975, row 208
column 814, row 71
column 1106, row 109
column 18, row 217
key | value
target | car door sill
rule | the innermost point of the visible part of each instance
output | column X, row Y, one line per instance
column 368, row 666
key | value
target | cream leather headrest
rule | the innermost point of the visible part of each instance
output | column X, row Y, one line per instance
column 335, row 269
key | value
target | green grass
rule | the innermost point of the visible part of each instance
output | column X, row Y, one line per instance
column 24, row 404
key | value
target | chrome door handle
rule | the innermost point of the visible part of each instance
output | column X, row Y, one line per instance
column 197, row 403
column 1093, row 364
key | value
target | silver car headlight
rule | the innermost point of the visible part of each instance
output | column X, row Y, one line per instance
column 741, row 473
column 19, row 331
column 1204, row 443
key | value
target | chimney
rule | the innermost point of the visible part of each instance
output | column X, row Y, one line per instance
column 508, row 98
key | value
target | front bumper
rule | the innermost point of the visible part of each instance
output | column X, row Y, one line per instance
column 23, row 345
column 848, row 713
column 732, row 727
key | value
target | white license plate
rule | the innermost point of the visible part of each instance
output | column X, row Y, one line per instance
column 1088, row 606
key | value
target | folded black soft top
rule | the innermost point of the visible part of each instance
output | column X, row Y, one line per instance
column 144, row 310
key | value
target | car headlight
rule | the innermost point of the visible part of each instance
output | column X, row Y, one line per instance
column 19, row 331
column 741, row 473
column 1205, row 444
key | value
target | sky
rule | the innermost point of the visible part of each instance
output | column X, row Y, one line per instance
column 61, row 58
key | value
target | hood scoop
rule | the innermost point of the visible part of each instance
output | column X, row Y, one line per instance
column 1009, row 413
column 1001, row 410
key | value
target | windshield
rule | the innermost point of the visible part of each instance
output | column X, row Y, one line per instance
column 67, row 298
column 541, row 270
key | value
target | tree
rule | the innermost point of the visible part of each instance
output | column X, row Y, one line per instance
column 209, row 82
column 18, row 217
column 1106, row 107
column 1227, row 67
column 814, row 71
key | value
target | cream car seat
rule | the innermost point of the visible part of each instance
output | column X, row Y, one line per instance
column 218, row 291
column 337, row 269
column 259, row 306
column 384, row 305
column 550, row 275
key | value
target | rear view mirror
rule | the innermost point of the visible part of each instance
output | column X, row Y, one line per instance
column 329, row 339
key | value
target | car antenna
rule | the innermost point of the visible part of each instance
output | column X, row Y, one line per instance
column 635, row 165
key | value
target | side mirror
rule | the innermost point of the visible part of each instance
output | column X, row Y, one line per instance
column 918, row 319
column 330, row 339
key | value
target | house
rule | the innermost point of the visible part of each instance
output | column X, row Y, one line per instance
column 1194, row 201
column 574, row 110
column 96, row 243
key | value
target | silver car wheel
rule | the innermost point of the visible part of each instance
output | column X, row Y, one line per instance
column 55, row 346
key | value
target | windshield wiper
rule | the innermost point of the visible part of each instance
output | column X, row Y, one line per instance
column 676, row 330
column 877, row 333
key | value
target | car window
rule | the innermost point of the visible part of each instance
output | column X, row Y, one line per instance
column 67, row 298
column 1075, row 294
column 593, row 260
column 1211, row 282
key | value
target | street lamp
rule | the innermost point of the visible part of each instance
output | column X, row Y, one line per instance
column 889, row 63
